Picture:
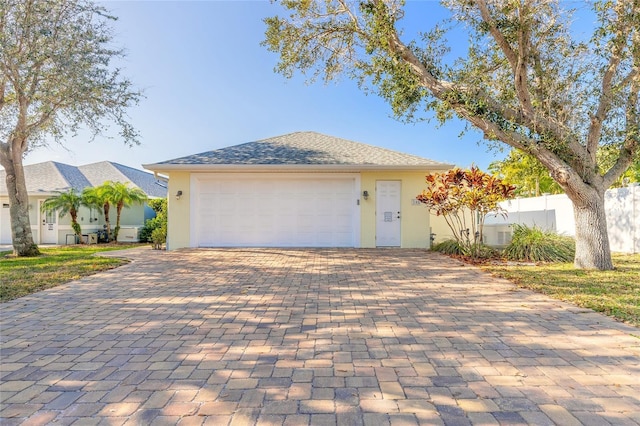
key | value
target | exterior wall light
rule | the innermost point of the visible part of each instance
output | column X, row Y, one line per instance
column 365, row 195
column 178, row 194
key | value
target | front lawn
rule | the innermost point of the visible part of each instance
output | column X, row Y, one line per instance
column 20, row 276
column 614, row 293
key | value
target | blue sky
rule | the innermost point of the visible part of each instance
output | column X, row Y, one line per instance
column 209, row 84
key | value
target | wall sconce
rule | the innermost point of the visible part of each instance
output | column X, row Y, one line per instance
column 178, row 194
column 365, row 195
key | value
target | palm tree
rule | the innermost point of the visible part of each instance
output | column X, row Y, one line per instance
column 120, row 195
column 66, row 203
column 94, row 198
column 98, row 197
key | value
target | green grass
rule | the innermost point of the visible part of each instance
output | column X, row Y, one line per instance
column 615, row 293
column 20, row 276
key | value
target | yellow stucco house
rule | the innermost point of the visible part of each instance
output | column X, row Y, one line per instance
column 302, row 189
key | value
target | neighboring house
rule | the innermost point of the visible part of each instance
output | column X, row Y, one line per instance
column 48, row 178
column 555, row 213
column 302, row 189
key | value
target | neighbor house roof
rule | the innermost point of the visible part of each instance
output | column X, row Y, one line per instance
column 300, row 150
column 51, row 177
column 97, row 173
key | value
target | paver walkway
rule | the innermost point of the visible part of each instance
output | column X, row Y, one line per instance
column 322, row 337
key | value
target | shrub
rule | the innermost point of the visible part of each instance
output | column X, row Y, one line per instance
column 448, row 247
column 160, row 207
column 453, row 247
column 149, row 226
column 482, row 251
column 536, row 245
column 159, row 237
column 464, row 198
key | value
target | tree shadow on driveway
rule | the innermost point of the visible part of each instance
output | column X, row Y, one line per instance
column 311, row 336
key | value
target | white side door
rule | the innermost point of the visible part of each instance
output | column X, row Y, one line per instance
column 5, row 223
column 388, row 213
column 48, row 226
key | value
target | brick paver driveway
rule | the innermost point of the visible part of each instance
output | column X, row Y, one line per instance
column 296, row 337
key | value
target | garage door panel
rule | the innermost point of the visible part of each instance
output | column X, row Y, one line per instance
column 291, row 212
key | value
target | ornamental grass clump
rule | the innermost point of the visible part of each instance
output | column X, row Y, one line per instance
column 451, row 247
column 536, row 245
column 475, row 251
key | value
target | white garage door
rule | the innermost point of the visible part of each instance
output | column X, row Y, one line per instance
column 267, row 211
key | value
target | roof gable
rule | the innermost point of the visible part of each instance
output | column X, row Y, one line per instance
column 103, row 171
column 304, row 148
column 49, row 177
column 73, row 176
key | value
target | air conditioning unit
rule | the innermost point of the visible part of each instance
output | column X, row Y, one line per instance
column 91, row 238
column 128, row 234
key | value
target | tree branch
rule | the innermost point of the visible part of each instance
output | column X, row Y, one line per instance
column 521, row 79
column 45, row 117
column 517, row 59
column 631, row 145
column 604, row 104
column 606, row 90
column 562, row 172
column 497, row 35
column 3, row 88
column 519, row 66
column 352, row 16
column 441, row 89
column 625, row 159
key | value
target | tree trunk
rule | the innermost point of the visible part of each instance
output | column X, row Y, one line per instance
column 116, row 231
column 106, row 207
column 592, row 238
column 21, row 235
column 75, row 225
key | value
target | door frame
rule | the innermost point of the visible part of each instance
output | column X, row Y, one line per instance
column 396, row 213
column 42, row 223
column 5, row 222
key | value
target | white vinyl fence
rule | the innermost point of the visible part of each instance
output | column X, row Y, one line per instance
column 555, row 212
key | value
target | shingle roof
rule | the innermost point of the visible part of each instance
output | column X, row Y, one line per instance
column 98, row 173
column 50, row 177
column 73, row 175
column 304, row 148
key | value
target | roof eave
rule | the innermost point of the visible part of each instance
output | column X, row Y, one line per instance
column 292, row 168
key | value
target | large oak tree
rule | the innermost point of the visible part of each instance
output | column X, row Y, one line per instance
column 526, row 80
column 56, row 77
